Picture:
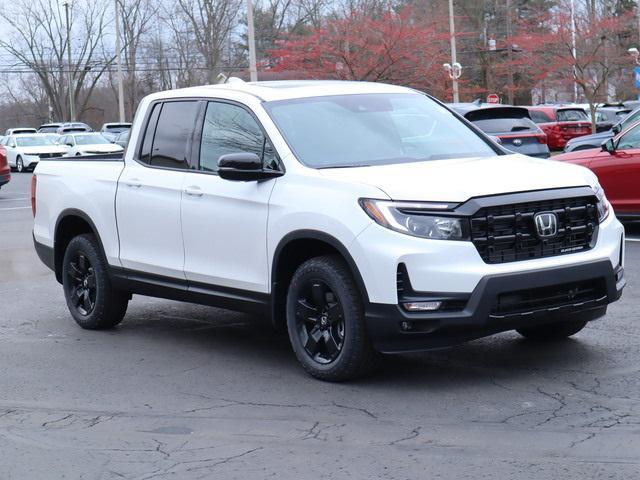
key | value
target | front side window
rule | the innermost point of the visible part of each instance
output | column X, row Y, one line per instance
column 232, row 129
column 373, row 129
column 631, row 139
column 173, row 133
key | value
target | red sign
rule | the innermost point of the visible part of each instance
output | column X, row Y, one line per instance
column 493, row 98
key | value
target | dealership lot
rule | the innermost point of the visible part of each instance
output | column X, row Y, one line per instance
column 183, row 391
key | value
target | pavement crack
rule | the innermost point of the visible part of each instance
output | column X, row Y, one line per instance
column 45, row 424
column 588, row 437
column 415, row 433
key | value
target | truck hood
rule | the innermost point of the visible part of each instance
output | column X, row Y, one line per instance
column 460, row 180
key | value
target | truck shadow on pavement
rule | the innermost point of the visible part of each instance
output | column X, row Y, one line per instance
column 254, row 348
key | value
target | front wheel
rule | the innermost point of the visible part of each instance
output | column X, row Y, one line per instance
column 19, row 165
column 552, row 331
column 93, row 303
column 325, row 321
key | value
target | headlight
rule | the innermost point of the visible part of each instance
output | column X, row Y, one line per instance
column 416, row 219
column 603, row 204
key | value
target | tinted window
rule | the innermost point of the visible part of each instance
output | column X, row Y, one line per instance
column 231, row 129
column 505, row 125
column 571, row 115
column 173, row 131
column 539, row 116
column 631, row 118
column 373, row 129
column 631, row 139
column 147, row 142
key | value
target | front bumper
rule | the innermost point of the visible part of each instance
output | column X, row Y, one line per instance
column 498, row 303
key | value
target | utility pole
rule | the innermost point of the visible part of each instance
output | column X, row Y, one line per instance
column 574, row 52
column 119, row 61
column 72, row 106
column 251, row 40
column 454, row 60
column 509, row 56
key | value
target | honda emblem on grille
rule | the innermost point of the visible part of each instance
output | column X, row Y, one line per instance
column 546, row 224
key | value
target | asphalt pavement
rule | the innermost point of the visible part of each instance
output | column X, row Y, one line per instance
column 180, row 391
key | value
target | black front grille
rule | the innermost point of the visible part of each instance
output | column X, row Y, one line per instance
column 507, row 233
column 577, row 294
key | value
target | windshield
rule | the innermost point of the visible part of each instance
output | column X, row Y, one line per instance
column 373, row 129
column 33, row 141
column 91, row 139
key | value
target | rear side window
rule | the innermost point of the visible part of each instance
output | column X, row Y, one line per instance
column 168, row 134
column 505, row 125
column 571, row 115
column 539, row 116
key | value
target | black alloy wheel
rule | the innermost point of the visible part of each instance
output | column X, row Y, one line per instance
column 82, row 283
column 320, row 321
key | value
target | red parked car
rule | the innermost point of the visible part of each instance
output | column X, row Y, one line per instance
column 5, row 171
column 617, row 165
column 561, row 124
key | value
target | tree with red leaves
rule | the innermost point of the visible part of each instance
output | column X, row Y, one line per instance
column 391, row 48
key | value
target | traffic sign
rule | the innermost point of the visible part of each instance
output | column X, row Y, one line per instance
column 493, row 98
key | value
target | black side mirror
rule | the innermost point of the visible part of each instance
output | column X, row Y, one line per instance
column 616, row 129
column 609, row 146
column 244, row 167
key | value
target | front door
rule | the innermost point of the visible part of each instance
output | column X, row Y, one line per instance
column 224, row 222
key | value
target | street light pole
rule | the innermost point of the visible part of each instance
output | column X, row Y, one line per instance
column 253, row 70
column 72, row 106
column 119, row 61
column 454, row 60
column 574, row 52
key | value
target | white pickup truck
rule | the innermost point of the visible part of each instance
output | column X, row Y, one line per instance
column 363, row 218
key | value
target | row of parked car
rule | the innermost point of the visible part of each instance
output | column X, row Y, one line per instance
column 538, row 130
column 22, row 148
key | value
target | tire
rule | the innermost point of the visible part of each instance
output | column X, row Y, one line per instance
column 552, row 331
column 19, row 165
column 93, row 303
column 325, row 321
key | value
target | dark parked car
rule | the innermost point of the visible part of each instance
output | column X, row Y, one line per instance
column 595, row 141
column 511, row 125
column 608, row 116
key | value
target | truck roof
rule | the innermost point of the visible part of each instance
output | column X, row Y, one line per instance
column 287, row 89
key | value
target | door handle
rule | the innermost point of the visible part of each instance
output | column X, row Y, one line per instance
column 133, row 183
column 193, row 191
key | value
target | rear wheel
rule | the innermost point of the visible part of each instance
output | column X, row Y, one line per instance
column 93, row 303
column 325, row 320
column 552, row 331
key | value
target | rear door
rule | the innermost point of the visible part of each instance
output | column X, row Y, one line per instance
column 619, row 173
column 224, row 222
column 150, row 192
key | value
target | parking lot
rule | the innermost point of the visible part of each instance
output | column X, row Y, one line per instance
column 184, row 391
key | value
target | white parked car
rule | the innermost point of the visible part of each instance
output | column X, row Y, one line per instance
column 88, row 143
column 111, row 130
column 19, row 130
column 360, row 217
column 24, row 151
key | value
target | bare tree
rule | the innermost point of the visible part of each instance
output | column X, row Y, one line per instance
column 38, row 42
column 136, row 17
column 205, row 26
